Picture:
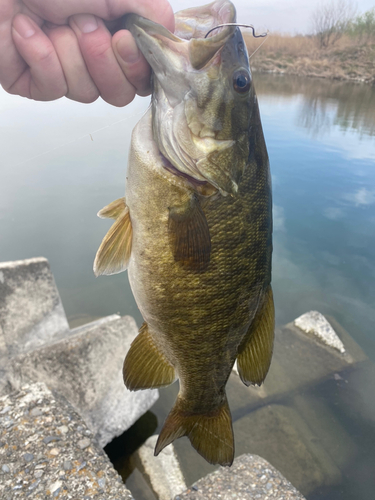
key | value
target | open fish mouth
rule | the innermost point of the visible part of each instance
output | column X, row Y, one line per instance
column 192, row 85
column 191, row 25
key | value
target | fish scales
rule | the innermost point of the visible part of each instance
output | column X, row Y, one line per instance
column 200, row 235
column 187, row 305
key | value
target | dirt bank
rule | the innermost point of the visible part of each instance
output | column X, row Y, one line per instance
column 349, row 59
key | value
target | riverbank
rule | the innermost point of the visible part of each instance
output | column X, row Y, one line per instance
column 349, row 59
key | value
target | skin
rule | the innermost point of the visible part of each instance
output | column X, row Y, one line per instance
column 65, row 48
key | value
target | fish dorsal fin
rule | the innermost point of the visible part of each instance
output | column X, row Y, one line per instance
column 189, row 235
column 145, row 366
column 114, row 252
column 254, row 357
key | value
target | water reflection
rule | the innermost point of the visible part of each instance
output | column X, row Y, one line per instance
column 321, row 141
column 360, row 197
column 324, row 103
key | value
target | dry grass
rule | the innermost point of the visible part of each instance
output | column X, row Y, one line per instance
column 281, row 44
column 348, row 59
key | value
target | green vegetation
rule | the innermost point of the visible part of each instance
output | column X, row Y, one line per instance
column 363, row 26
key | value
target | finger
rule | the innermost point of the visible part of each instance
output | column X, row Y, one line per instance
column 11, row 63
column 59, row 11
column 43, row 80
column 79, row 82
column 135, row 67
column 95, row 43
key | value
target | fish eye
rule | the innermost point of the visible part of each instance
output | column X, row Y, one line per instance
column 241, row 81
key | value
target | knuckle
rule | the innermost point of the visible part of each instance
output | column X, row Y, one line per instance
column 109, row 10
column 120, row 100
column 51, row 93
column 45, row 55
column 88, row 97
column 61, row 32
column 85, row 93
column 99, row 49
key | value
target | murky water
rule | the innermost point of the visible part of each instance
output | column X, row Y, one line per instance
column 61, row 162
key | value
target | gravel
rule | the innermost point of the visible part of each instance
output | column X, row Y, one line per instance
column 250, row 477
column 50, row 453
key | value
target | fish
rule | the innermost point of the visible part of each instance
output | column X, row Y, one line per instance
column 194, row 230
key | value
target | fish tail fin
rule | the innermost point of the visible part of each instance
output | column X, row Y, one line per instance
column 211, row 434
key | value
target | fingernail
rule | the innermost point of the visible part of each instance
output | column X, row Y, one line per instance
column 86, row 23
column 128, row 50
column 23, row 26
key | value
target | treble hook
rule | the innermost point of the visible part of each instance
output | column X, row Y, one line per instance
column 236, row 24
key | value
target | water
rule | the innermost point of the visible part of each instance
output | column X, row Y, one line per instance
column 62, row 161
column 321, row 141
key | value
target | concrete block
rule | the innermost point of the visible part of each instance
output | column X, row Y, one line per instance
column 47, row 451
column 281, row 436
column 4, row 363
column 86, row 368
column 249, row 477
column 315, row 324
column 95, row 323
column 31, row 312
column 163, row 472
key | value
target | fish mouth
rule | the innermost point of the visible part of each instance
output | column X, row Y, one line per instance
column 156, row 42
column 183, row 63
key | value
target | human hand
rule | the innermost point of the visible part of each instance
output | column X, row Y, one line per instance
column 65, row 48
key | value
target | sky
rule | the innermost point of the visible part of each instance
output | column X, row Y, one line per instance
column 287, row 16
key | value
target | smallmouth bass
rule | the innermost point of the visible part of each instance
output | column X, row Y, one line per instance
column 195, row 230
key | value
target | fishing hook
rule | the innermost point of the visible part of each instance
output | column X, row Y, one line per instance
column 236, row 24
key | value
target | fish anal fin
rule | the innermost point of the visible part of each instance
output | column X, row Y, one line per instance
column 145, row 367
column 113, row 210
column 189, row 235
column 114, row 252
column 210, row 434
column 254, row 358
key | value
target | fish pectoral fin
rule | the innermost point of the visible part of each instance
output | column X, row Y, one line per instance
column 189, row 235
column 254, row 358
column 211, row 434
column 113, row 210
column 145, row 367
column 114, row 252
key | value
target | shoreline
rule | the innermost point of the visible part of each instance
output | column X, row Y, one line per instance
column 349, row 60
column 313, row 75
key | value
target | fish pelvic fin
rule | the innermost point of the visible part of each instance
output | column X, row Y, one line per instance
column 145, row 366
column 189, row 235
column 114, row 252
column 255, row 355
column 211, row 434
column 114, row 210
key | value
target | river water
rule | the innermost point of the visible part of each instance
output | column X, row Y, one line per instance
column 63, row 161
